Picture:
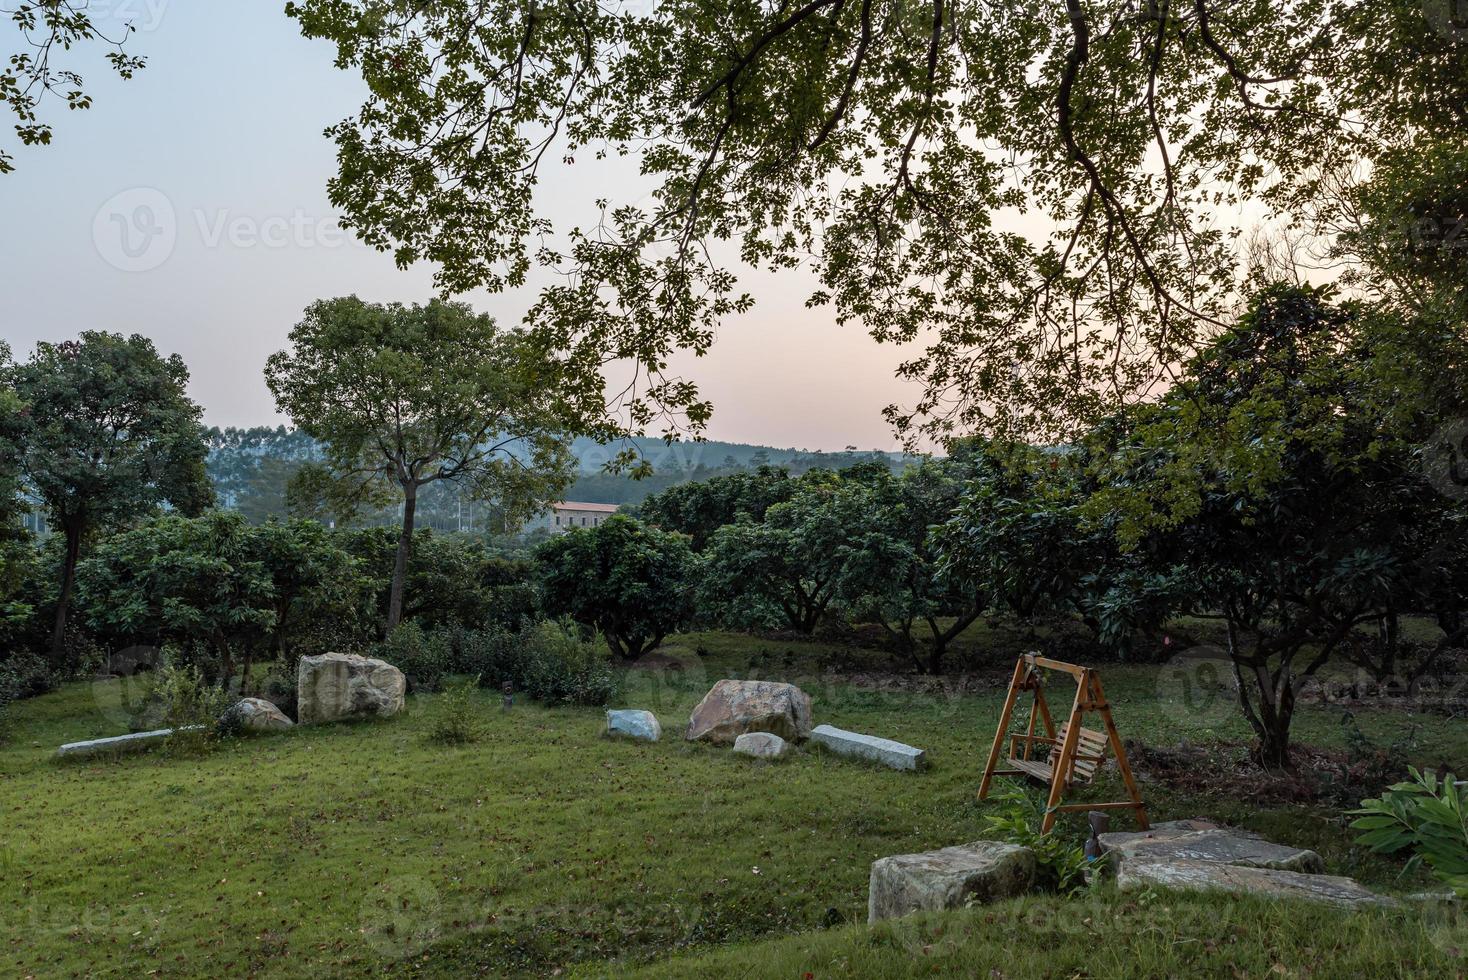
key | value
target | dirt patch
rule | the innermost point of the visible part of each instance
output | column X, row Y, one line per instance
column 1223, row 769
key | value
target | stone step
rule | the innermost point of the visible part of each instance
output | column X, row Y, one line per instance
column 1166, row 844
column 984, row 871
column 1268, row 883
column 896, row 755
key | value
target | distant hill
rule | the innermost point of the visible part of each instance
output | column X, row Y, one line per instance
column 251, row 467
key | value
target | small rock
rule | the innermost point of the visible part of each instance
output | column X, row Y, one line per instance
column 631, row 723
column 895, row 755
column 761, row 745
column 732, row 708
column 257, row 715
column 1211, row 876
column 981, row 872
column 344, row 685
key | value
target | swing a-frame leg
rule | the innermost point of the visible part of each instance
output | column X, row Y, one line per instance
column 1074, row 753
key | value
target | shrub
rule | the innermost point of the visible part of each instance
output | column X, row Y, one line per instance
column 1425, row 816
column 457, row 719
column 192, row 707
column 563, row 667
column 1060, row 864
column 26, row 675
column 422, row 657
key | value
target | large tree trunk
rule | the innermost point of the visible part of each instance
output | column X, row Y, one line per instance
column 68, row 585
column 400, row 563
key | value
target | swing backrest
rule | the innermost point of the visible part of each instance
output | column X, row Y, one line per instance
column 1090, row 752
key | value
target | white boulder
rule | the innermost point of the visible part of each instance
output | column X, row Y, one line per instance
column 334, row 686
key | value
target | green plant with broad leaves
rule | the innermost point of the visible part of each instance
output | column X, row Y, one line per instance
column 1060, row 862
column 1425, row 815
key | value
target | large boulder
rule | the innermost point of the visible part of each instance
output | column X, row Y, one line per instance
column 641, row 726
column 732, row 708
column 257, row 715
column 977, row 873
column 761, row 745
column 344, row 685
column 1186, row 875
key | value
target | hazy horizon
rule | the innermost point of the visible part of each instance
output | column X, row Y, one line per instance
column 189, row 205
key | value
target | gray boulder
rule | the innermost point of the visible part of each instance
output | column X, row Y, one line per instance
column 894, row 755
column 1210, row 876
column 733, row 708
column 981, row 872
column 334, row 686
column 761, row 745
column 630, row 723
column 258, row 715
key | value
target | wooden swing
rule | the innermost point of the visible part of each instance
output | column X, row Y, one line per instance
column 1075, row 752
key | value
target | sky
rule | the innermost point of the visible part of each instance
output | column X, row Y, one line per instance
column 189, row 205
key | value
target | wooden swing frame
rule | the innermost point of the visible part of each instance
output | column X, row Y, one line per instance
column 1067, row 764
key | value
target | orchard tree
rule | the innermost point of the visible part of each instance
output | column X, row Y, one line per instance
column 219, row 587
column 894, row 573
column 698, row 508
column 795, row 565
column 107, row 434
column 631, row 582
column 1284, row 471
column 1036, row 195
column 401, row 397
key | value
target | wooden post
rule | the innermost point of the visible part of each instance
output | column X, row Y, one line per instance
column 1004, row 716
column 1064, row 762
column 1121, row 759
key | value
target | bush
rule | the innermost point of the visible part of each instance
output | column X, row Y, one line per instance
column 457, row 719
column 192, row 707
column 26, row 675
column 1424, row 816
column 562, row 667
column 422, row 657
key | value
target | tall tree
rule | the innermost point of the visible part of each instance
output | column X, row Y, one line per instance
column 108, row 434
column 1038, row 194
column 401, row 397
column 49, row 29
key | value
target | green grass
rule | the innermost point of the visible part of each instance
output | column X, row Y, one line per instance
column 372, row 849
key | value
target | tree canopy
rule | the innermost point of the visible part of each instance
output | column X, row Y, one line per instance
column 1044, row 199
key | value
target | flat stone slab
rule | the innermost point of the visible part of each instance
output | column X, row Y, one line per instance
column 895, row 755
column 641, row 726
column 761, row 745
column 135, row 742
column 1214, row 846
column 1265, row 882
column 977, row 873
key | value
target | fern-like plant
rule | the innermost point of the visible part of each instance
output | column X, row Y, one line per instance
column 1425, row 815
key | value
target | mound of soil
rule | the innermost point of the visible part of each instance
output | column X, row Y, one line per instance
column 1224, row 769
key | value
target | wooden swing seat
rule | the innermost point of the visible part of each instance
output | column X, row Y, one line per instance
column 1074, row 753
column 1090, row 753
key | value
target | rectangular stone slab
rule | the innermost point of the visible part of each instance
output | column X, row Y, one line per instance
column 1207, row 876
column 121, row 743
column 883, row 750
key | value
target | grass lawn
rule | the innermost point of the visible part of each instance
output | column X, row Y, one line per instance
column 369, row 849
